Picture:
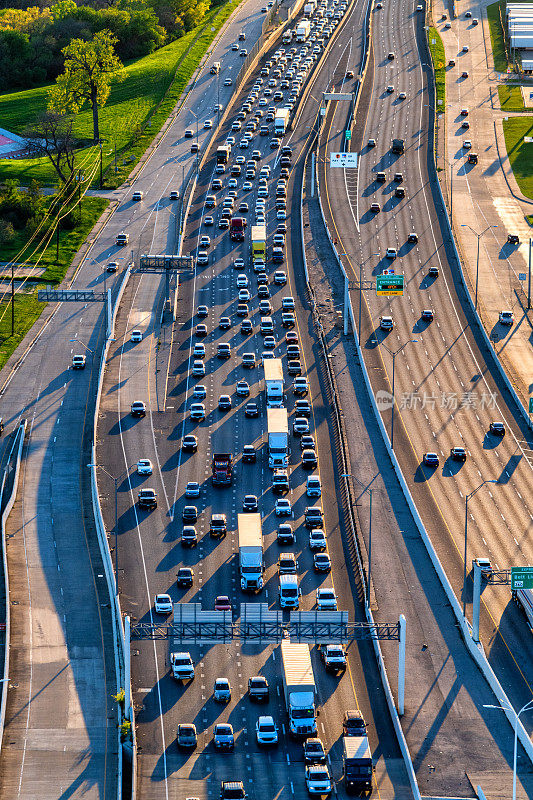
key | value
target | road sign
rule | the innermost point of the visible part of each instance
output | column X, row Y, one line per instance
column 522, row 276
column 521, row 578
column 389, row 284
column 348, row 135
column 531, row 405
column 337, row 96
column 348, row 160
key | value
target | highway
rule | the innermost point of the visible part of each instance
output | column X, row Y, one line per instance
column 150, row 550
column 446, row 393
column 60, row 720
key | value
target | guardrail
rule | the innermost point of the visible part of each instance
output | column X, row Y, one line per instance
column 9, row 485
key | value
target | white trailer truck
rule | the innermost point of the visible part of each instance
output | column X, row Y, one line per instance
column 274, row 382
column 280, row 121
column 303, row 30
column 250, row 552
column 299, row 689
column 278, row 438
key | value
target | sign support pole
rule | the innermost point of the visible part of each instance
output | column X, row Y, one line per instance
column 402, row 623
column 346, row 303
column 476, row 602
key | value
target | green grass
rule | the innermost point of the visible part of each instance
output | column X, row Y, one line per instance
column 439, row 64
column 497, row 35
column 510, row 98
column 134, row 113
column 27, row 307
column 520, row 154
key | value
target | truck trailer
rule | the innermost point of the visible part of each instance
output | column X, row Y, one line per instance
column 303, row 30
column 299, row 689
column 278, row 438
column 357, row 763
column 281, row 121
column 274, row 382
column 250, row 551
column 258, row 242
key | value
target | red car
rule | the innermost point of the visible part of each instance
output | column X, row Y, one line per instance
column 291, row 337
column 222, row 603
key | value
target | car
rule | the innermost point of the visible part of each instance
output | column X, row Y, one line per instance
column 266, row 732
column 390, row 56
column 242, row 388
column 232, row 790
column 242, row 281
column 307, row 441
column 333, row 657
column 189, row 537
column 244, row 295
column 464, row 112
column 247, row 327
column 222, row 690
column 205, row 240
column 147, row 498
column 243, row 52
column 251, row 410
column 513, row 238
column 294, row 366
column 313, row 517
column 197, row 411
column 281, row 213
column 250, row 502
column 189, row 443
column 144, row 466
column 199, row 391
column 258, row 688
column 195, row 147
column 433, row 272
column 222, row 603
column 430, row 460
column 402, row 96
column 465, row 48
column 189, row 133
column 138, row 408
column 248, row 360
column 300, row 426
column 303, row 408
column 283, row 507
column 506, row 317
column 198, row 368
column 412, row 238
column 223, row 736
column 78, row 362
column 465, row 124
column 399, row 192
column 224, row 402
column 223, row 348
column 192, row 489
column 317, row 539
column 390, row 89
column 464, row 74
column 375, row 208
column 202, row 257
column 381, row 177
column 227, row 81
column 467, row 144
column 163, row 604
column 386, row 323
column 201, row 330
column 300, row 386
column 391, row 252
column 326, row 599
column 249, row 456
column 314, row 751
column 313, row 487
column 317, row 779
column 189, row 514
column 485, row 566
column 122, row 239
column 427, row 315
column 198, row 350
column 186, row 735
column 208, row 124
column 497, row 428
column 112, row 266
column 184, row 577
column 353, row 723
column 468, row 14
column 458, row 454
column 208, row 221
column 321, row 562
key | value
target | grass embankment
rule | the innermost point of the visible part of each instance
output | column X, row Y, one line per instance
column 27, row 307
column 497, row 35
column 520, row 153
column 134, row 113
column 510, row 98
column 438, row 57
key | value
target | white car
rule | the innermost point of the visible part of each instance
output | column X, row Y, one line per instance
column 136, row 336
column 242, row 389
column 242, row 281
column 317, row 779
column 192, row 489
column 198, row 368
column 244, row 295
column 313, row 486
column 326, row 600
column 197, row 411
column 199, row 350
column 163, row 604
column 317, row 539
column 208, row 124
column 144, row 466
column 266, row 731
column 199, row 391
column 283, row 507
column 222, row 690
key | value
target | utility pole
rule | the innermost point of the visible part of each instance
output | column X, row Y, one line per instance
column 529, row 278
column 101, row 173
column 12, row 299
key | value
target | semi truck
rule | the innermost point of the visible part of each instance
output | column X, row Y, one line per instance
column 250, row 551
column 223, row 153
column 237, row 228
column 274, row 382
column 357, row 763
column 299, row 688
column 258, row 242
column 303, row 30
column 222, row 469
column 280, row 121
column 278, row 438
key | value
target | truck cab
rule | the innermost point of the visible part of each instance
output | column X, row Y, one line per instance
column 222, row 468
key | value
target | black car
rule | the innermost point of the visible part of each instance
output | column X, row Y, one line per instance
column 458, row 454
column 433, row 272
column 381, row 177
column 232, row 790
column 225, row 323
column 247, row 327
column 251, row 410
column 513, row 238
column 353, row 724
column 190, row 444
column 497, row 428
column 303, row 408
column 147, row 498
column 399, row 192
column 285, row 533
column 249, row 456
column 427, row 315
column 184, row 577
column 250, row 502
column 189, row 514
column 412, row 238
column 202, row 312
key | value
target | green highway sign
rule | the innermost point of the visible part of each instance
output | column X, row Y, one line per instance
column 389, row 284
column 348, row 134
column 521, row 578
column 531, row 405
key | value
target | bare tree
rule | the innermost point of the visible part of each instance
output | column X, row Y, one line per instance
column 51, row 136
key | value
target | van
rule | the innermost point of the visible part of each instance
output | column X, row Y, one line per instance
column 215, row 69
column 289, row 592
column 267, row 325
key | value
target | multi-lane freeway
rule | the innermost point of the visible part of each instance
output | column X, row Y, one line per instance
column 446, row 387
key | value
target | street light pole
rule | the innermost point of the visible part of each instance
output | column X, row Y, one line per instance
column 369, row 490
column 479, row 235
column 528, row 706
column 394, row 353
column 465, row 555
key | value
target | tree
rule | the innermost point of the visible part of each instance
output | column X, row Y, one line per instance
column 52, row 136
column 89, row 67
